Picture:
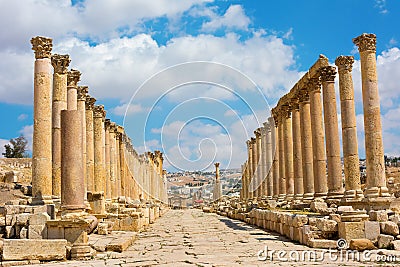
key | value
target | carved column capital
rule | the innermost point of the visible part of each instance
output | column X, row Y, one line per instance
column 216, row 164
column 327, row 73
column 344, row 63
column 257, row 132
column 42, row 46
column 89, row 103
column 286, row 111
column 82, row 93
column 366, row 41
column 113, row 127
column 248, row 143
column 73, row 78
column 99, row 112
column 60, row 63
column 107, row 123
column 314, row 84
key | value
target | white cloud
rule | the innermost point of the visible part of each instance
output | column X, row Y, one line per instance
column 3, row 142
column 234, row 18
column 22, row 117
column 381, row 6
column 127, row 109
column 231, row 113
column 27, row 131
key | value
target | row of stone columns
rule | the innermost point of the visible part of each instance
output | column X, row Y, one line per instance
column 303, row 160
column 77, row 152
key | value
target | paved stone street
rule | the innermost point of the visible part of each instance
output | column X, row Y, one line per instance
column 194, row 238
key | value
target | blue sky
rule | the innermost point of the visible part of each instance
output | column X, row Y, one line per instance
column 197, row 76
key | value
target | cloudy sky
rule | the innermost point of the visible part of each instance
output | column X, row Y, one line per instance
column 194, row 78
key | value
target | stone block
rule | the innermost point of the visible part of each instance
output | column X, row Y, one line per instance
column 372, row 230
column 389, row 228
column 11, row 219
column 335, row 217
column 22, row 219
column 351, row 230
column 39, row 218
column 319, row 207
column 23, row 234
column 323, row 243
column 102, row 228
column 396, row 244
column 378, row 215
column 55, row 233
column 120, row 244
column 10, row 231
column 37, row 232
column 344, row 209
column 11, row 209
column 361, row 244
column 75, row 235
column 25, row 249
column 299, row 220
column 385, row 241
column 39, row 209
column 297, row 234
column 2, row 221
column 325, row 225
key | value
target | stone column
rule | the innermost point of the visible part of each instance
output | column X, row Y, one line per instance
column 107, row 159
column 254, row 157
column 282, row 158
column 259, row 152
column 263, row 164
column 335, row 183
column 376, row 177
column 122, row 160
column 41, row 147
column 113, row 161
column 60, row 64
column 275, row 163
column 319, row 156
column 306, row 146
column 249, row 193
column 297, row 149
column 98, row 118
column 73, row 77
column 268, row 159
column 217, row 189
column 89, row 144
column 349, row 129
column 82, row 95
column 288, row 148
column 118, row 162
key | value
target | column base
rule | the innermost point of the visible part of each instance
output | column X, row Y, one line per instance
column 81, row 252
column 308, row 197
column 289, row 197
column 42, row 200
column 322, row 195
column 334, row 197
column 375, row 192
column 353, row 195
column 298, row 197
column 281, row 197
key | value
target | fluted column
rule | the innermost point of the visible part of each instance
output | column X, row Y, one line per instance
column 306, row 146
column 41, row 147
column 263, row 164
column 60, row 64
column 319, row 156
column 259, row 152
column 288, row 148
column 254, row 161
column 282, row 158
column 89, row 144
column 376, row 177
column 249, row 192
column 275, row 163
column 335, row 183
column 349, row 129
column 122, row 161
column 268, row 160
column 107, row 159
column 117, row 150
column 113, row 161
column 297, row 149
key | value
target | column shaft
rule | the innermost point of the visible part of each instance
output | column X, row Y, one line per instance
column 288, row 148
column 297, row 149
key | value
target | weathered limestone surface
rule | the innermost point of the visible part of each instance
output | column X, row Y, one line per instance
column 25, row 249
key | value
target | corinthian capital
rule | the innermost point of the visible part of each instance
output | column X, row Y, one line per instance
column 314, row 84
column 73, row 78
column 99, row 112
column 344, row 63
column 60, row 63
column 366, row 41
column 89, row 103
column 42, row 46
column 82, row 93
column 327, row 73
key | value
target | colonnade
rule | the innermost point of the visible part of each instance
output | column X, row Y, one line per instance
column 295, row 156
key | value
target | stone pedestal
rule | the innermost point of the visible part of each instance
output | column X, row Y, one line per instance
column 376, row 178
column 42, row 126
column 349, row 130
column 335, row 183
column 60, row 64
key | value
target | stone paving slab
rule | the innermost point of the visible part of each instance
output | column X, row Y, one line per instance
column 194, row 238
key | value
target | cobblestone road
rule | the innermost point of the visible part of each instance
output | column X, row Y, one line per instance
column 194, row 238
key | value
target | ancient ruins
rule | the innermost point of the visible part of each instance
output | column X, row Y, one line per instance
column 86, row 175
column 292, row 181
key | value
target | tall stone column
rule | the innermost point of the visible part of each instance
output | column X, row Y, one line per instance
column 107, row 159
column 73, row 77
column 60, row 64
column 259, row 152
column 306, row 146
column 319, row 156
column 376, row 177
column 268, row 160
column 263, row 164
column 117, row 144
column 249, row 192
column 41, row 147
column 82, row 95
column 349, row 129
column 275, row 163
column 98, row 125
column 282, row 158
column 297, row 149
column 254, row 157
column 288, row 148
column 217, row 187
column 335, row 183
column 122, row 160
column 90, row 101
column 113, row 161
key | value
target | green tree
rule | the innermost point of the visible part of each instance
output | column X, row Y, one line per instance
column 16, row 148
